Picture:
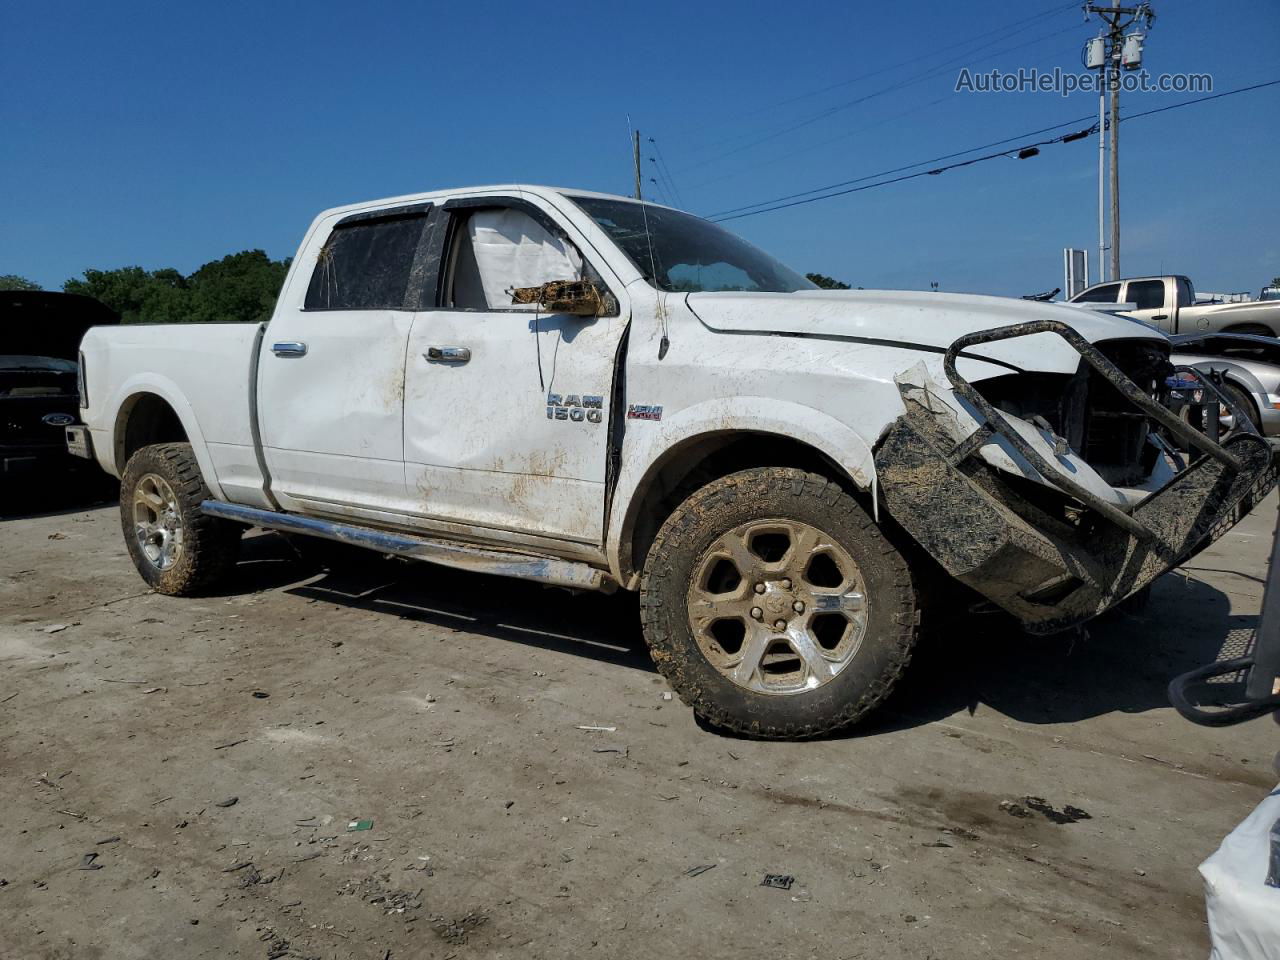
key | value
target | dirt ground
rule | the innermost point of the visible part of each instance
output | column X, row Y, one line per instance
column 181, row 777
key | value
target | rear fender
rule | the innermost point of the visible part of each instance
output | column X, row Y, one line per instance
column 122, row 403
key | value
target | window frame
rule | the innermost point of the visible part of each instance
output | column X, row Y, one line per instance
column 418, row 264
column 448, row 217
column 1099, row 286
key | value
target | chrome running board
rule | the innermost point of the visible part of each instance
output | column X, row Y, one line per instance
column 460, row 556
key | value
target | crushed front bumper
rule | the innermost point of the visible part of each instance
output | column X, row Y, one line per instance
column 996, row 536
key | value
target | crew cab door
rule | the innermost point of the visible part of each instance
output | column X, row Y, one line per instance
column 1153, row 302
column 507, row 408
column 331, row 369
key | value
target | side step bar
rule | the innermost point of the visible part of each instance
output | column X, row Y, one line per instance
column 523, row 566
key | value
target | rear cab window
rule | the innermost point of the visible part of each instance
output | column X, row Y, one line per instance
column 1186, row 293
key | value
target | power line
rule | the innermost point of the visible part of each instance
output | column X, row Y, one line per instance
column 666, row 171
column 1027, row 150
column 912, row 61
column 965, row 163
column 909, row 166
column 929, row 74
column 1213, row 96
column 808, row 149
column 936, row 50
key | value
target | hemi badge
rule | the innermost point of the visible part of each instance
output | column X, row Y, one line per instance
column 644, row 411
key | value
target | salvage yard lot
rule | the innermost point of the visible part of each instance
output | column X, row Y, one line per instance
column 448, row 709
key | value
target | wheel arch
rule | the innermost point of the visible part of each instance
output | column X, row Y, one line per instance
column 155, row 411
column 1240, row 377
column 1251, row 390
column 711, row 440
column 1254, row 329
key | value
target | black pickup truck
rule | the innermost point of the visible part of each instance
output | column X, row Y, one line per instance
column 39, row 396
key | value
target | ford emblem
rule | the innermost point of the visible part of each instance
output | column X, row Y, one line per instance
column 58, row 419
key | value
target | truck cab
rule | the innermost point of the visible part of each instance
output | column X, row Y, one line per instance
column 1156, row 300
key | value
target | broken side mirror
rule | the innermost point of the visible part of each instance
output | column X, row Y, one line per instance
column 581, row 298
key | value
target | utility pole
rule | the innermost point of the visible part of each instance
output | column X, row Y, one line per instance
column 1096, row 58
column 1109, row 53
column 1113, row 74
column 636, row 157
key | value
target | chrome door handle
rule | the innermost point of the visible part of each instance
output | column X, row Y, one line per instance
column 289, row 348
column 447, row 354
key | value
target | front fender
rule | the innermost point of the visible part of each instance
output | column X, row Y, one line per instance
column 649, row 443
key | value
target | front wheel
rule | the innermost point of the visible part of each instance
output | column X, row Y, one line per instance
column 176, row 548
column 775, row 607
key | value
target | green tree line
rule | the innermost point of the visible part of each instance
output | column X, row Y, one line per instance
column 240, row 287
column 825, row 282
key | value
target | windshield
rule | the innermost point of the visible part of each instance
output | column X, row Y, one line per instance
column 24, row 362
column 681, row 252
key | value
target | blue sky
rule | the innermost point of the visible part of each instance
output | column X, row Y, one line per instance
column 172, row 134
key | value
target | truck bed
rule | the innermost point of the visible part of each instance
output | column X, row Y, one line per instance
column 202, row 370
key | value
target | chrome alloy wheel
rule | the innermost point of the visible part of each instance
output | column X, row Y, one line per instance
column 777, row 606
column 157, row 522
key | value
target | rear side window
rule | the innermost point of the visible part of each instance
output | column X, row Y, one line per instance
column 1146, row 294
column 1103, row 294
column 1186, row 295
column 365, row 265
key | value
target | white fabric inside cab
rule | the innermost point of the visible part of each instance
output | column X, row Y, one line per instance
column 511, row 249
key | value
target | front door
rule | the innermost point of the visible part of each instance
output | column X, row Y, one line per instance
column 331, row 373
column 1148, row 299
column 507, row 408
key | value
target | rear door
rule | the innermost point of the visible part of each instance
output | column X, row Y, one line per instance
column 507, row 408
column 331, row 374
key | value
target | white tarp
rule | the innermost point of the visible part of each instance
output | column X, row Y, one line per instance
column 514, row 250
column 1244, row 913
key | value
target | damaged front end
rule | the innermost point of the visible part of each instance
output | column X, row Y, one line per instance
column 1058, row 496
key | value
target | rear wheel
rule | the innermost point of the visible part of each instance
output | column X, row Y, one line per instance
column 775, row 607
column 176, row 548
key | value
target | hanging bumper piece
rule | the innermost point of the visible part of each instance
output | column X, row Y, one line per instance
column 1043, row 537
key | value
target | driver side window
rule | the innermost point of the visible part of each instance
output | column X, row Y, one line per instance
column 495, row 251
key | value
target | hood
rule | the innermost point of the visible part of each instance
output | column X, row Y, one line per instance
column 925, row 321
column 38, row 323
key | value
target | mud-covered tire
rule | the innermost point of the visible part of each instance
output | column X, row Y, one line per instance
column 679, row 554
column 206, row 553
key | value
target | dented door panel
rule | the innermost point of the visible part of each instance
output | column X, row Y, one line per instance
column 517, row 437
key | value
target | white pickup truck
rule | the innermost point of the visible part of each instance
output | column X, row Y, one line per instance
column 595, row 393
column 1169, row 304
